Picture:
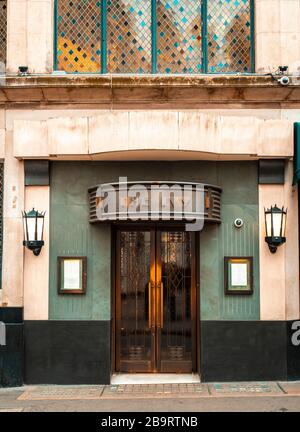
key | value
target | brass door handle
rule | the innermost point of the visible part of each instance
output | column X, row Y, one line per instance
column 149, row 305
column 161, row 305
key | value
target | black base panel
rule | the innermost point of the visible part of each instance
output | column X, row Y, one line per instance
column 78, row 352
column 12, row 357
column 293, row 351
column 243, row 350
column 67, row 352
column 12, row 354
column 11, row 315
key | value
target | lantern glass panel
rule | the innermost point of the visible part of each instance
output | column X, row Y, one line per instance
column 31, row 228
column 283, row 224
column 40, row 226
column 268, row 225
column 277, row 217
column 25, row 228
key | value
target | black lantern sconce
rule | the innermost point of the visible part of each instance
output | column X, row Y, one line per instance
column 33, row 223
column 275, row 220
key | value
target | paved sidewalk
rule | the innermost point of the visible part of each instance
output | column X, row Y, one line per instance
column 251, row 396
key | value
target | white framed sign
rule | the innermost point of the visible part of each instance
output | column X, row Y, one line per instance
column 72, row 275
column 238, row 275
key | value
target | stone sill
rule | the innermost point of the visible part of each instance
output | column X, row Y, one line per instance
column 109, row 80
column 141, row 91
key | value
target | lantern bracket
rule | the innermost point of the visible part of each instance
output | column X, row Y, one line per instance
column 34, row 246
column 274, row 242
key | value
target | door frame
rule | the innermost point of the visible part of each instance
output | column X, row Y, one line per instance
column 165, row 225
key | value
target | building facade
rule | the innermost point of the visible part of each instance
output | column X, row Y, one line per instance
column 156, row 92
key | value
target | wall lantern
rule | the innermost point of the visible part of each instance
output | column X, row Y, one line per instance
column 275, row 220
column 33, row 223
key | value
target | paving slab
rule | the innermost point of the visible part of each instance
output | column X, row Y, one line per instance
column 155, row 391
column 256, row 397
column 291, row 388
column 245, row 389
column 62, row 393
column 11, row 410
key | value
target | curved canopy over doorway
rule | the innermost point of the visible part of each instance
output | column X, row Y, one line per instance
column 181, row 199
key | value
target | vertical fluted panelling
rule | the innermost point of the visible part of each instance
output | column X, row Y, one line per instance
column 71, row 233
column 239, row 200
column 240, row 242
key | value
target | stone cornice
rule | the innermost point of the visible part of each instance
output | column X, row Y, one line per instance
column 108, row 80
column 160, row 89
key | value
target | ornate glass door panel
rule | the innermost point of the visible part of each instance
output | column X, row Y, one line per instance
column 155, row 308
column 135, row 323
column 175, row 324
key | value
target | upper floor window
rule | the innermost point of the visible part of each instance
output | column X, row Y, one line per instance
column 3, row 33
column 154, row 36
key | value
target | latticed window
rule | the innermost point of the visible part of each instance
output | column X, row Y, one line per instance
column 154, row 36
column 3, row 33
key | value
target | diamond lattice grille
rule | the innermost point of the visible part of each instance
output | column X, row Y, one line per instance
column 129, row 36
column 162, row 36
column 229, row 36
column 179, row 36
column 3, row 33
column 79, row 35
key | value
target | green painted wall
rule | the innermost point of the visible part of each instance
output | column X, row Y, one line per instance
column 71, row 234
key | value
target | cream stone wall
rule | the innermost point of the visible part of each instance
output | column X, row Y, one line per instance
column 277, row 34
column 279, row 272
column 36, row 269
column 30, row 35
column 271, row 266
column 211, row 136
column 2, row 134
column 12, row 262
column 2, row 154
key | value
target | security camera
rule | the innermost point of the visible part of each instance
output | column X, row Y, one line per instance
column 283, row 69
column 238, row 223
column 284, row 80
column 23, row 70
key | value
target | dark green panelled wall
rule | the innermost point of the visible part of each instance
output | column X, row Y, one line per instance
column 71, row 234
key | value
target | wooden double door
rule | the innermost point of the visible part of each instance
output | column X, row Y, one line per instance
column 155, row 301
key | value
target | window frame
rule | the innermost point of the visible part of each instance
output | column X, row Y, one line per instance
column 204, row 46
